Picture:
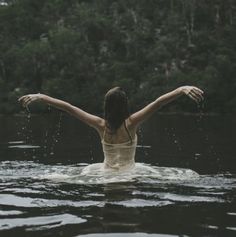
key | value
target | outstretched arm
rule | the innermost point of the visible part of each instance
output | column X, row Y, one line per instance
column 85, row 117
column 193, row 92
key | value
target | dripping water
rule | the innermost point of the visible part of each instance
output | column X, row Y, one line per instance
column 56, row 135
column 144, row 148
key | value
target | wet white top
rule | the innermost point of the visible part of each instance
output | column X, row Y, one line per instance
column 119, row 156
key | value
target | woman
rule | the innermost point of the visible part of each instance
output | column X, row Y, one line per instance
column 118, row 128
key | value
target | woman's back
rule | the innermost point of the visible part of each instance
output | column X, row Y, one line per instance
column 123, row 134
column 119, row 148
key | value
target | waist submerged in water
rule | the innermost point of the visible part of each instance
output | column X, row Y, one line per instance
column 98, row 174
column 119, row 156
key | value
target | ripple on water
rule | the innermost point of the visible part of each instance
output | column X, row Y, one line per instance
column 42, row 179
column 24, row 146
column 174, row 197
column 13, row 200
column 41, row 222
column 142, row 203
column 10, row 213
column 15, row 142
column 28, row 188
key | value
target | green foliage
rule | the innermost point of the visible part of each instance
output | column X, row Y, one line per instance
column 77, row 49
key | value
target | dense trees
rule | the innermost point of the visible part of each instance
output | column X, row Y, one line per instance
column 77, row 49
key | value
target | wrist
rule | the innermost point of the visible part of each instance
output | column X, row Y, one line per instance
column 180, row 90
column 41, row 97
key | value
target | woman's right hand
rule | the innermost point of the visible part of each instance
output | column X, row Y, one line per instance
column 193, row 92
column 27, row 99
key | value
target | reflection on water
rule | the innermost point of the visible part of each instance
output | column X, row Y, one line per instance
column 39, row 197
column 183, row 184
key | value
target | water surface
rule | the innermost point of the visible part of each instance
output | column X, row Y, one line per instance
column 183, row 184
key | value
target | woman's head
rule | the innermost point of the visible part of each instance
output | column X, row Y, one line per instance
column 115, row 108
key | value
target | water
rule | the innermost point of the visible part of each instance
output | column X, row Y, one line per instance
column 184, row 183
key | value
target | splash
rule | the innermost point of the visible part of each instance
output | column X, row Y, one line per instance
column 94, row 173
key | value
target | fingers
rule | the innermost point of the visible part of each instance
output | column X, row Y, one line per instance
column 194, row 93
column 193, row 97
column 26, row 100
column 197, row 89
column 21, row 98
column 198, row 94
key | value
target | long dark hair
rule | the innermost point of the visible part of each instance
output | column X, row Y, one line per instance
column 115, row 108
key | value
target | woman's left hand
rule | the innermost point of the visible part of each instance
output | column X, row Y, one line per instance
column 27, row 99
column 193, row 92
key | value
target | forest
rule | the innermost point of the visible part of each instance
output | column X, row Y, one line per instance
column 76, row 50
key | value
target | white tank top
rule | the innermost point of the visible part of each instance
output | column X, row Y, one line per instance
column 119, row 156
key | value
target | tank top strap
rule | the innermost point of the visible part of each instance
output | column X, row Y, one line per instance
column 128, row 132
column 126, row 129
column 103, row 135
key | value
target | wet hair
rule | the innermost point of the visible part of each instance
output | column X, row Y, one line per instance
column 115, row 108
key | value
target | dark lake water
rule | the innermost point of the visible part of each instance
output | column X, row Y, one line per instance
column 43, row 191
